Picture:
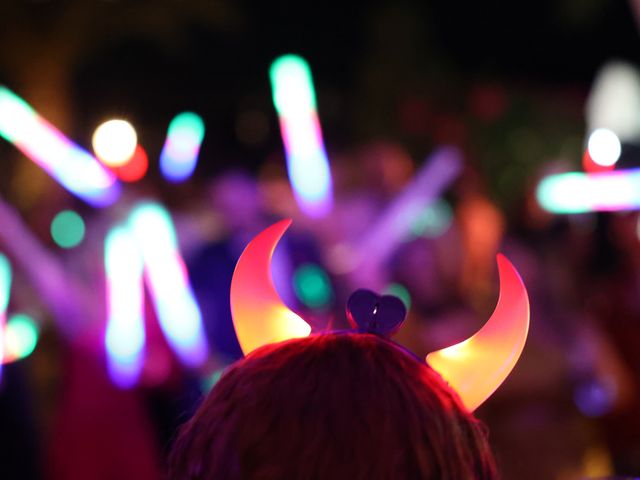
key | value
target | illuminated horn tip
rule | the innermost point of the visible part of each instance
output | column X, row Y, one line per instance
column 476, row 367
column 259, row 315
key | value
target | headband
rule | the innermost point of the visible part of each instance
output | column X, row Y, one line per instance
column 474, row 368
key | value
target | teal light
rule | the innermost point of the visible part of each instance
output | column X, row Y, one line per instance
column 292, row 84
column 565, row 193
column 208, row 382
column 433, row 221
column 5, row 283
column 312, row 286
column 187, row 126
column 67, row 229
column 400, row 291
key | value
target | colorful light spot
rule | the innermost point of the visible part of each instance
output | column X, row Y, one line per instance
column 179, row 155
column 400, row 291
column 576, row 192
column 5, row 290
column 136, row 168
column 114, row 142
column 604, row 147
column 433, row 221
column 67, row 229
column 166, row 274
column 307, row 162
column 21, row 337
column 125, row 334
column 74, row 168
column 312, row 286
column 596, row 397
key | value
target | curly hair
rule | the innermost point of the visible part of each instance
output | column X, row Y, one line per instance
column 332, row 406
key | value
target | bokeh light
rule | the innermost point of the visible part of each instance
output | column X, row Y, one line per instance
column 114, row 142
column 576, row 192
column 125, row 334
column 614, row 101
column 592, row 167
column 136, row 168
column 5, row 290
column 67, row 229
column 604, row 147
column 596, row 397
column 209, row 381
column 307, row 162
column 179, row 154
column 71, row 166
column 312, row 286
column 21, row 337
column 167, row 277
column 433, row 221
column 5, row 283
column 400, row 291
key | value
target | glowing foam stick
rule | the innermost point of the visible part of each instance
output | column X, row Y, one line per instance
column 5, row 288
column 74, row 168
column 307, row 163
column 576, row 192
column 125, row 336
column 397, row 221
column 178, row 312
column 180, row 152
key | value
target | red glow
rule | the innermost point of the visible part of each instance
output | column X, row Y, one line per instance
column 135, row 168
column 592, row 167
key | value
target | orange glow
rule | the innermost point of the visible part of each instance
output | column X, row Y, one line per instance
column 259, row 315
column 476, row 367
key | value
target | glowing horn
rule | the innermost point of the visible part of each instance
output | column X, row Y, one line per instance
column 476, row 367
column 259, row 315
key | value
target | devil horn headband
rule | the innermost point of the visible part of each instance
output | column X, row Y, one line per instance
column 475, row 367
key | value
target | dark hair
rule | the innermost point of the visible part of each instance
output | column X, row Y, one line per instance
column 332, row 406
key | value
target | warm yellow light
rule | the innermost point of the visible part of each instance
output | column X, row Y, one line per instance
column 114, row 142
column 476, row 367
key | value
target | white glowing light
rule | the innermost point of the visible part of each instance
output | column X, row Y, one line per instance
column 74, row 168
column 614, row 101
column 604, row 147
column 577, row 192
column 114, row 142
column 125, row 335
column 175, row 303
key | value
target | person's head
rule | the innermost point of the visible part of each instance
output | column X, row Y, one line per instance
column 332, row 406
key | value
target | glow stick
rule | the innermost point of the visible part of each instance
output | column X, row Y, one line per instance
column 125, row 335
column 396, row 222
column 74, row 168
column 5, row 288
column 576, row 192
column 307, row 163
column 180, row 152
column 177, row 309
